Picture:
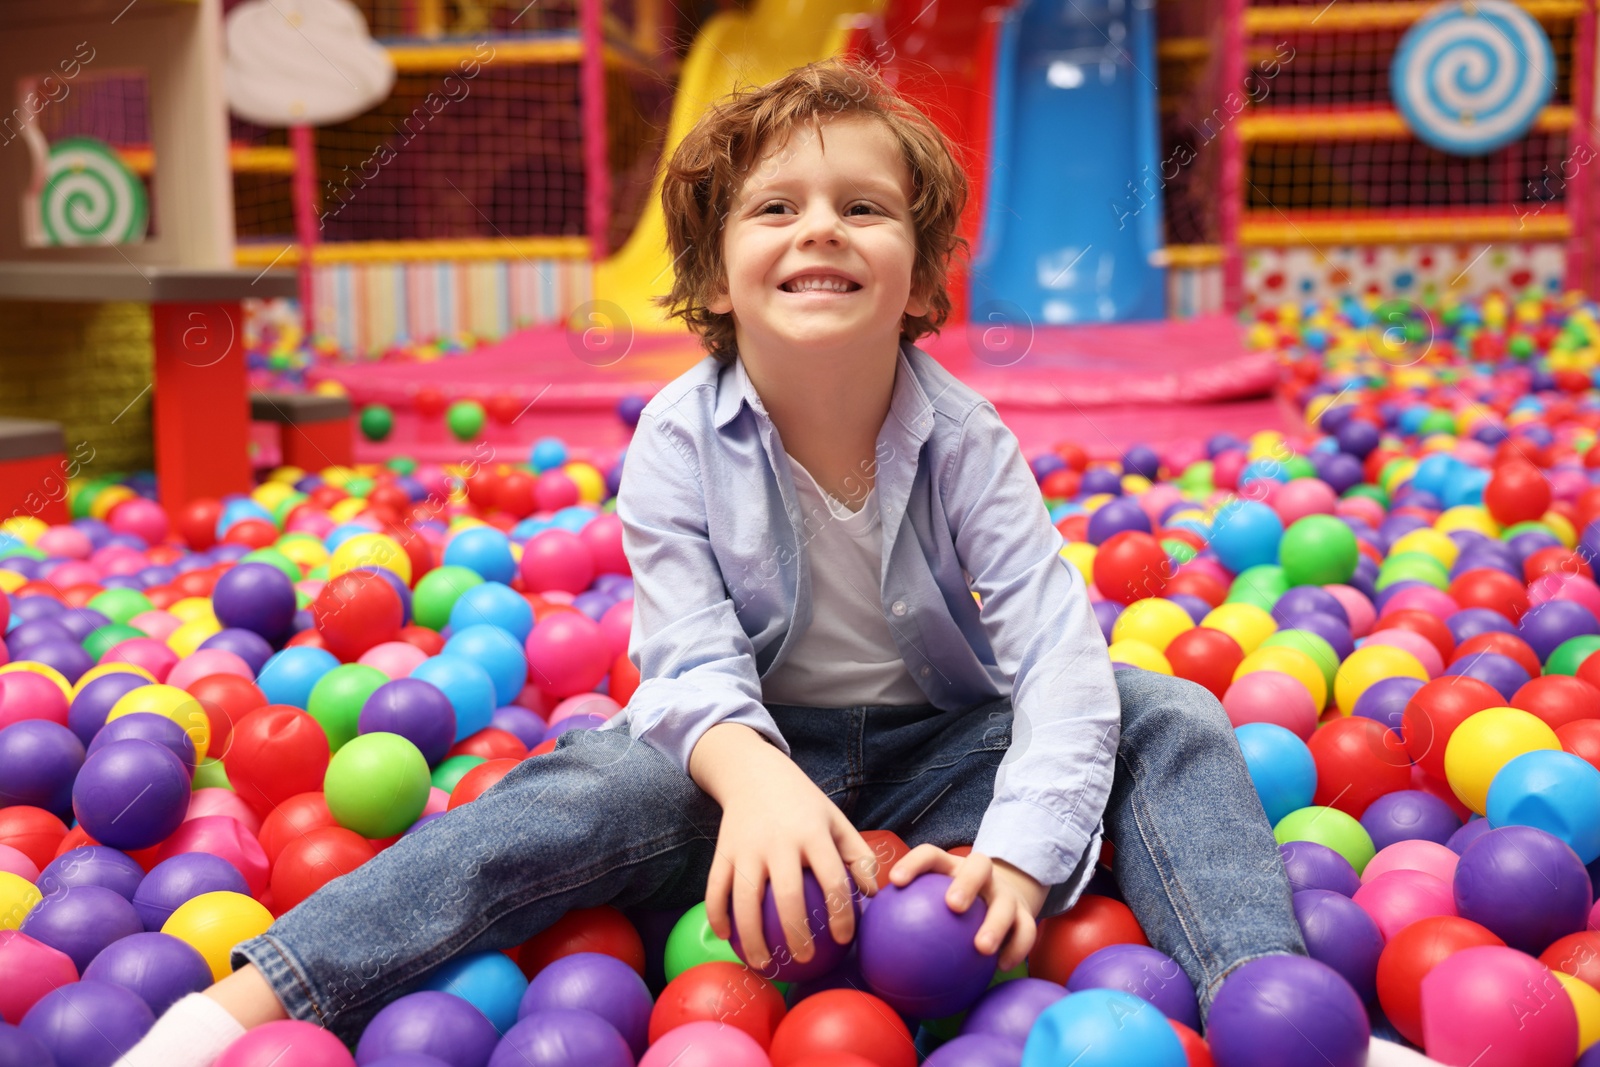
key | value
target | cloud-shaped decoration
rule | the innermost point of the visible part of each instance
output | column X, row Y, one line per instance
column 303, row 62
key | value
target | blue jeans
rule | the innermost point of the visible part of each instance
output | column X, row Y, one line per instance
column 607, row 820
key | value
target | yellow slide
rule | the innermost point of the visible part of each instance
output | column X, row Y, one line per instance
column 733, row 50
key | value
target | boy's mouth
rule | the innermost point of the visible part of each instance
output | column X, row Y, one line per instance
column 820, row 283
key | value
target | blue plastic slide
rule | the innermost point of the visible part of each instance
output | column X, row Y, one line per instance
column 1073, row 220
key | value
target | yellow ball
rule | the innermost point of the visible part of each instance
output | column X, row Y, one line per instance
column 1291, row 661
column 212, row 923
column 100, row 670
column 270, row 494
column 1402, row 471
column 347, row 509
column 11, row 581
column 109, row 498
column 1153, row 621
column 304, row 550
column 1133, row 484
column 17, row 898
column 25, row 528
column 1487, row 741
column 1092, row 504
column 193, row 609
column 187, row 639
column 287, row 475
column 1368, row 666
column 329, row 387
column 1562, row 528
column 1081, row 555
column 371, row 550
column 43, row 670
column 1430, row 542
column 1586, row 1003
column 337, row 476
column 1139, row 654
column 1467, row 517
column 1265, row 444
column 1247, row 624
column 169, row 702
column 590, row 482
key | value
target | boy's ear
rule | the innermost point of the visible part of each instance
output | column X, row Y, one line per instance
column 917, row 305
column 720, row 303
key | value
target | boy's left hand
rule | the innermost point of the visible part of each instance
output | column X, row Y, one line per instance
column 1014, row 899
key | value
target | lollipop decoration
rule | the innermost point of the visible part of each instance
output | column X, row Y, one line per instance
column 90, row 196
column 1472, row 77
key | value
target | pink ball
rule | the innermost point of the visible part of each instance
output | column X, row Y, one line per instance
column 154, row 656
column 567, row 654
column 1364, row 508
column 143, row 518
column 556, row 559
column 1429, row 857
column 1356, row 606
column 1496, row 1007
column 617, row 624
column 1159, row 498
column 603, row 535
column 215, row 800
column 157, row 623
column 1423, row 598
column 226, row 837
column 75, row 572
column 1399, row 898
column 558, row 596
column 26, row 695
column 287, row 1043
column 1271, row 696
column 1302, row 497
column 707, row 1044
column 205, row 663
column 1566, row 483
column 28, row 970
column 438, row 800
column 584, row 704
column 119, row 559
column 15, row 861
column 1473, row 453
column 1426, row 651
column 1573, row 587
column 1182, row 454
column 309, row 520
column 1203, row 566
column 69, row 542
column 1263, row 491
column 554, row 490
column 395, row 659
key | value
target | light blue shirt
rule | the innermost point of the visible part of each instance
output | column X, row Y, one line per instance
column 712, row 527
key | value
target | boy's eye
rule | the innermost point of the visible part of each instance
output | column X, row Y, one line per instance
column 780, row 204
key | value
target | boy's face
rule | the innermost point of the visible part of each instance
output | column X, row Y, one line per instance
column 845, row 213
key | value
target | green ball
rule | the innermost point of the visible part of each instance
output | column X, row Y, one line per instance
column 402, row 465
column 1318, row 550
column 337, row 699
column 273, row 558
column 280, row 514
column 1370, row 491
column 436, row 594
column 452, row 770
column 360, row 486
column 1570, row 654
column 211, row 774
column 465, row 419
column 377, row 785
column 1437, row 422
column 1261, row 586
column 1299, row 467
column 1313, row 645
column 27, row 552
column 1198, row 477
column 1330, row 827
column 120, row 605
column 98, row 642
column 1532, row 526
column 693, row 942
column 377, row 422
column 1413, row 566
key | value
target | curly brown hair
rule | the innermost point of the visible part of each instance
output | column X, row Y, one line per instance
column 708, row 167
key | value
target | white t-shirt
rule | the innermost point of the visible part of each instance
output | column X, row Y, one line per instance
column 847, row 657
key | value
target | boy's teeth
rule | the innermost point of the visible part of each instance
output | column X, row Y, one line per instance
column 837, row 285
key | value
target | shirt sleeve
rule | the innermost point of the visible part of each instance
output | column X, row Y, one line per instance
column 696, row 665
column 1053, row 784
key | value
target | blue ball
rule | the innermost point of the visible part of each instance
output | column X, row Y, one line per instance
column 1556, row 792
column 482, row 549
column 289, row 676
column 496, row 604
column 489, row 981
column 1245, row 535
column 1281, row 767
column 497, row 652
column 1102, row 1028
column 468, row 687
column 547, row 452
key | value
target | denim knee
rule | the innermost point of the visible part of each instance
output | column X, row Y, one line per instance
column 1159, row 705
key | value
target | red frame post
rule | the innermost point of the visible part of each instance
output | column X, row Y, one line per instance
column 202, row 406
column 1232, row 180
column 596, row 160
column 305, row 219
column 1580, row 149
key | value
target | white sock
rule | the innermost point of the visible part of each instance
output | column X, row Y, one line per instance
column 192, row 1033
column 1387, row 1054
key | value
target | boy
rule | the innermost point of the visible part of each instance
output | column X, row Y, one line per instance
column 808, row 512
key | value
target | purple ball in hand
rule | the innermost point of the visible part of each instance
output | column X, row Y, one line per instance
column 826, row 953
column 918, row 954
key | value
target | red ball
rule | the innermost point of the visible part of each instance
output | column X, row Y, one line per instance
column 1061, row 483
column 721, row 992
column 491, row 743
column 604, row 930
column 1433, row 713
column 1517, row 492
column 1207, row 587
column 1577, row 955
column 1582, row 739
column 254, row 533
column 504, row 408
column 1131, row 566
column 197, row 524
column 226, row 698
column 277, row 752
column 307, row 638
column 1195, row 1050
column 421, row 637
column 355, row 611
column 429, row 402
column 1358, row 760
column 224, row 837
column 1090, row 925
column 1558, row 699
column 477, row 781
column 889, row 849
column 843, row 1020
column 1489, row 588
column 32, row 831
column 624, row 679
column 1411, row 954
column 298, row 815
column 1509, row 645
column 1072, row 455
column 313, row 859
column 1206, row 656
column 1552, row 560
column 1424, row 625
column 416, row 548
column 515, row 495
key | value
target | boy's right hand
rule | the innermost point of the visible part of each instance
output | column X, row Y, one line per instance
column 775, row 821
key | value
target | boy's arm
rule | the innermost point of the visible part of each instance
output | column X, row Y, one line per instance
column 1052, row 788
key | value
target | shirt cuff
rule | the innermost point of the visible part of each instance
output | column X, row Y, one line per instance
column 1036, row 842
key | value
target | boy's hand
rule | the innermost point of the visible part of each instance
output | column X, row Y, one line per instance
column 1014, row 899
column 774, row 822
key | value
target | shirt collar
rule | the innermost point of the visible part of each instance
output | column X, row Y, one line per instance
column 909, row 403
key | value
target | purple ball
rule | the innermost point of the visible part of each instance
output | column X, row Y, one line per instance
column 1330, row 629
column 18, row 1048
column 1339, row 933
column 1287, row 1009
column 416, row 710
column 1386, row 701
column 1547, row 625
column 437, row 1024
column 66, row 656
column 88, row 711
column 576, row 722
column 559, row 1037
column 1097, row 480
column 81, row 920
column 522, row 723
column 147, row 726
column 81, row 622
column 1470, row 831
column 181, row 878
column 1105, row 613
column 256, row 597
column 1502, row 673
column 976, row 1050
column 1147, row 973
column 593, row 603
column 594, row 982
column 1117, row 516
column 1313, row 866
column 92, row 865
column 1305, row 599
column 1198, row 609
column 158, row 968
column 38, row 761
column 826, row 953
column 88, row 1024
column 1010, row 1009
column 246, row 644
column 1409, row 815
column 408, row 1059
column 1526, row 886
column 918, row 955
column 131, row 794
column 26, row 635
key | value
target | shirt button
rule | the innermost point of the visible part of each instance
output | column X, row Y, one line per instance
column 898, row 607
column 923, row 672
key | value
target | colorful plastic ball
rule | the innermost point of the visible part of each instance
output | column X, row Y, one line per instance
column 38, row 761
column 396, row 659
column 465, row 418
column 285, row 1042
column 1406, row 815
column 1101, row 1028
column 32, row 831
column 1385, row 701
column 131, row 794
column 1340, row 933
column 377, row 422
column 311, row 861
column 498, row 653
column 1553, row 791
column 29, row 970
column 432, row 1023
column 1268, row 696
column 377, row 785
column 1485, row 743
column 1280, row 766
column 693, row 942
column 1525, row 885
column 1207, row 657
column 567, row 655
column 1358, row 760
column 1410, row 955
column 157, row 967
column 1065, row 940
column 1146, row 973
column 1398, row 898
column 1517, row 492
column 416, row 710
column 95, row 700
column 277, row 752
column 92, row 865
column 1246, row 534
column 1331, row 827
column 81, row 920
column 1131, row 566
column 708, row 1044
column 466, row 685
column 594, row 982
column 558, row 1037
column 212, row 923
column 483, row 550
column 1546, row 626
column 1313, row 866
column 918, row 954
column 18, row 896
column 1466, row 1019
column 355, row 611
column 30, row 695
column 844, row 1020
column 222, row 836
column 289, row 676
column 1434, row 713
column 493, row 604
column 173, row 881
column 257, row 597
column 88, row 1023
column 782, row 942
column 1558, row 699
column 968, row 1050
column 1369, row 665
column 1318, row 550
column 437, row 592
column 1009, row 1009
column 338, row 697
column 726, row 993
column 1287, row 1009
column 556, row 559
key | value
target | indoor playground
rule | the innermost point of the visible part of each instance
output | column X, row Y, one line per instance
column 325, row 326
